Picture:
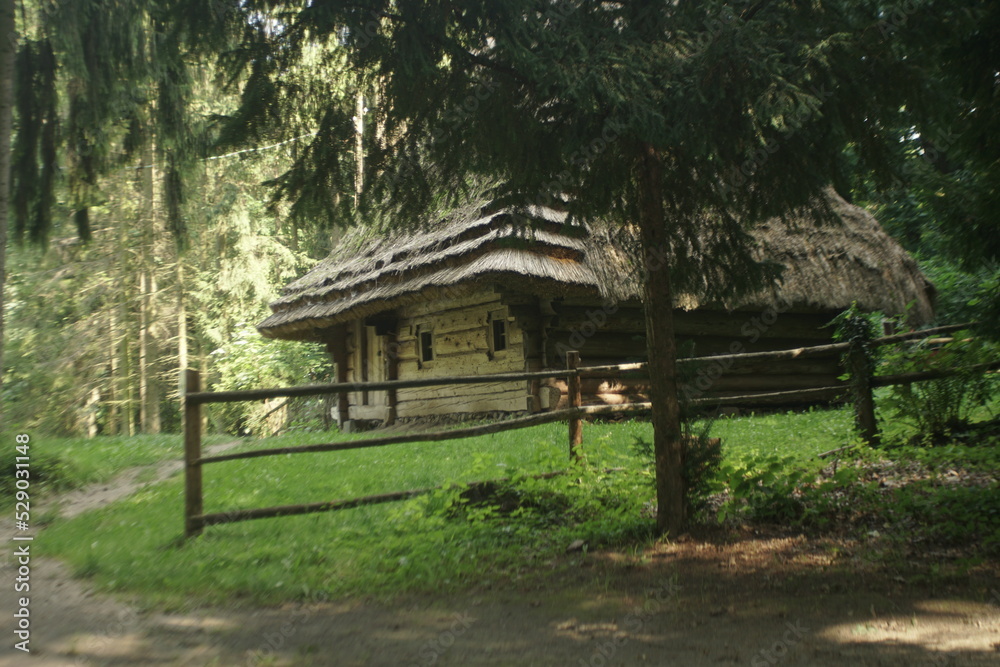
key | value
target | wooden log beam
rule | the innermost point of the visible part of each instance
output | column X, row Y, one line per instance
column 320, row 389
column 908, row 378
column 392, row 373
column 436, row 436
column 338, row 350
column 859, row 367
column 814, row 393
column 898, row 338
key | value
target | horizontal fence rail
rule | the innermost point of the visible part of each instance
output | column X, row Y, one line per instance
column 862, row 384
column 921, row 376
column 779, row 355
column 438, row 436
column 202, row 397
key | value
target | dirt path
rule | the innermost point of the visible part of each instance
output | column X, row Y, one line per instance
column 95, row 496
column 755, row 600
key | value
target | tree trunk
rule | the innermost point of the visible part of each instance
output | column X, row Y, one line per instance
column 8, row 51
column 359, row 148
column 153, row 358
column 658, row 299
column 182, row 332
column 143, row 347
column 149, row 400
column 114, row 408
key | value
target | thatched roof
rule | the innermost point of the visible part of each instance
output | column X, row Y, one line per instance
column 826, row 268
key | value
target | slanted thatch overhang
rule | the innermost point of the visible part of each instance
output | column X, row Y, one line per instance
column 826, row 268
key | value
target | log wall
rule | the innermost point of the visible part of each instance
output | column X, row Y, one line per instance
column 612, row 335
column 538, row 336
column 461, row 343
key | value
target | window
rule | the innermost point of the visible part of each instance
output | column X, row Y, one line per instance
column 497, row 332
column 426, row 345
column 499, row 335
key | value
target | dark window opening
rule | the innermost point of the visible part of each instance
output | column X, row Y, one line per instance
column 499, row 335
column 426, row 346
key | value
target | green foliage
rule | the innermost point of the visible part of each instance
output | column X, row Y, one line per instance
column 935, row 408
column 250, row 361
column 954, row 515
column 74, row 312
column 943, row 496
column 702, row 458
column 965, row 295
column 859, row 328
column 763, row 489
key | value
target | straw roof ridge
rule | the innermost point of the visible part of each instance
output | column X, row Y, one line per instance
column 362, row 255
column 826, row 266
column 361, row 273
column 492, row 264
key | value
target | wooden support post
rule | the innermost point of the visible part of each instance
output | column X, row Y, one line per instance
column 575, row 401
column 192, row 453
column 391, row 352
column 859, row 368
column 338, row 349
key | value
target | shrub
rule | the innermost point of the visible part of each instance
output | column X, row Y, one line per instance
column 938, row 407
column 251, row 361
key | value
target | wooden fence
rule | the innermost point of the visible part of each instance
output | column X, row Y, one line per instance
column 861, row 387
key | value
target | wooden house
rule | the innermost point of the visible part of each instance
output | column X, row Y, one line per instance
column 478, row 294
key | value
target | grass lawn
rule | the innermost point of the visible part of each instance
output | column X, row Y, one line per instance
column 429, row 543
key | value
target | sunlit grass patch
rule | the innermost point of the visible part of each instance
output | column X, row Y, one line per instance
column 436, row 542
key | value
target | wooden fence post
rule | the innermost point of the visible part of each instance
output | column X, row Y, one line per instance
column 192, row 452
column 859, row 368
column 575, row 401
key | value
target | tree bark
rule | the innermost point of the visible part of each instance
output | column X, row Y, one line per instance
column 359, row 148
column 8, row 52
column 153, row 357
column 143, row 347
column 114, row 407
column 659, row 303
column 149, row 400
column 182, row 329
